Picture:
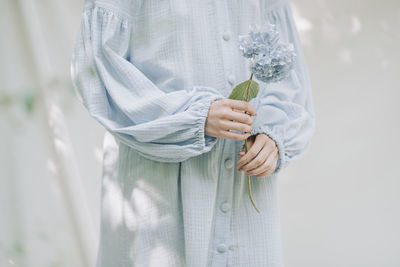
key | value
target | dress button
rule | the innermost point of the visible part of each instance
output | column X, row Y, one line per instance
column 228, row 163
column 226, row 36
column 221, row 248
column 231, row 79
column 225, row 206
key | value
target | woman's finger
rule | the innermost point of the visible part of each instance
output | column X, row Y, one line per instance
column 250, row 142
column 267, row 167
column 242, row 105
column 232, row 125
column 239, row 116
column 234, row 136
column 258, row 160
column 252, row 152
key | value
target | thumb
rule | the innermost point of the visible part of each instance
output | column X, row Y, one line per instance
column 241, row 153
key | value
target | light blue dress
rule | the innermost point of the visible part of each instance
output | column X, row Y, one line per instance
column 148, row 70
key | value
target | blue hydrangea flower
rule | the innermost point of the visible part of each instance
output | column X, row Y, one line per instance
column 270, row 59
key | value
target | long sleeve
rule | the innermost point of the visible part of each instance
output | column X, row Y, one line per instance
column 285, row 109
column 162, row 126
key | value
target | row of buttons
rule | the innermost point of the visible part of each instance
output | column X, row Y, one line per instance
column 225, row 206
column 227, row 36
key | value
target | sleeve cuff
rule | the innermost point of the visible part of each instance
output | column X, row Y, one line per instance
column 282, row 162
column 206, row 142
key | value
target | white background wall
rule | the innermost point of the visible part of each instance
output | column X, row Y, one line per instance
column 340, row 204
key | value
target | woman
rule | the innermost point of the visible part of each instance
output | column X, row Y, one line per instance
column 156, row 74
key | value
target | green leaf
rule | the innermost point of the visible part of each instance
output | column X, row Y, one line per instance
column 240, row 91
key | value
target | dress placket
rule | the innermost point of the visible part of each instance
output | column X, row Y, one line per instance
column 223, row 214
column 226, row 43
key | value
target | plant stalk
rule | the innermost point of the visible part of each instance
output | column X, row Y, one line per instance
column 245, row 146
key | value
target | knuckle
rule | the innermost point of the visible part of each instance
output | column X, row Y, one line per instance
column 252, row 153
column 272, row 146
column 265, row 139
column 236, row 103
column 224, row 113
column 244, row 128
column 224, row 101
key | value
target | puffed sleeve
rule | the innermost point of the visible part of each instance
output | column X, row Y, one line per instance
column 285, row 109
column 161, row 126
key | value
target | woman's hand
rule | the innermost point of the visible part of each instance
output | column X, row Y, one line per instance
column 227, row 114
column 261, row 157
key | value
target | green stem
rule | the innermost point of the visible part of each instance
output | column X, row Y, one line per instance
column 245, row 147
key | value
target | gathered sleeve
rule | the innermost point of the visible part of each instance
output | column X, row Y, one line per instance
column 161, row 126
column 285, row 110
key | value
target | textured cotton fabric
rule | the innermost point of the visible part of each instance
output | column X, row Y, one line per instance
column 148, row 71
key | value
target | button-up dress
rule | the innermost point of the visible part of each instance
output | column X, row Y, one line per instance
column 148, row 71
